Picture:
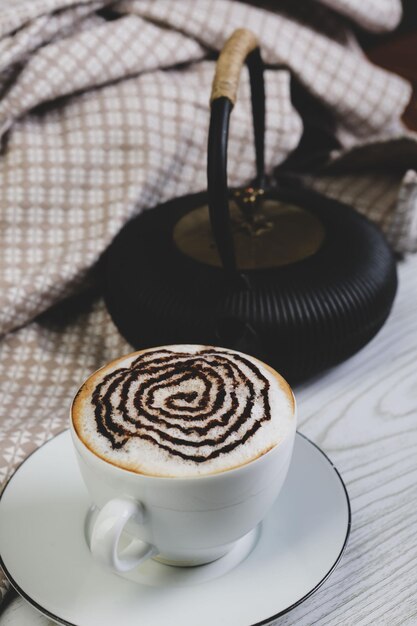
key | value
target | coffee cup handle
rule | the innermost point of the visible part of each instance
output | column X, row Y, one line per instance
column 107, row 531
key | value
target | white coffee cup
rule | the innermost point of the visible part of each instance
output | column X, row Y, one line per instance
column 180, row 521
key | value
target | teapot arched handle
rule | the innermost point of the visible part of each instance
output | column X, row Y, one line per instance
column 240, row 47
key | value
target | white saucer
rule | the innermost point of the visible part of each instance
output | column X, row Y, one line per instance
column 44, row 518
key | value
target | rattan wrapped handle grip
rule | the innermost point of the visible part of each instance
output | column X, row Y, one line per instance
column 229, row 64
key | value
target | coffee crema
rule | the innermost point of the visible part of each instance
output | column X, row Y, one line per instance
column 183, row 410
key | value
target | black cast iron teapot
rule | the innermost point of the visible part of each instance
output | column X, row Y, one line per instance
column 297, row 279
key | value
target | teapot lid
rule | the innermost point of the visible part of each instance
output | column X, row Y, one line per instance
column 275, row 234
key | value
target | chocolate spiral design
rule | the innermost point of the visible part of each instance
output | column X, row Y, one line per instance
column 193, row 405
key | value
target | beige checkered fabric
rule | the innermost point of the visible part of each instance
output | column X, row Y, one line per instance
column 374, row 15
column 104, row 113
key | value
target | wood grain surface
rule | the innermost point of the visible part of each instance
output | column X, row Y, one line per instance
column 363, row 414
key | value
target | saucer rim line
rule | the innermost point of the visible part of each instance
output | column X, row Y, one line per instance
column 264, row 622
column 338, row 558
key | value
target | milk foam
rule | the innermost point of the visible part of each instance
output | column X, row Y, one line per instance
column 183, row 410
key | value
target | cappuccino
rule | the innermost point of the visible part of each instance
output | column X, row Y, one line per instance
column 183, row 410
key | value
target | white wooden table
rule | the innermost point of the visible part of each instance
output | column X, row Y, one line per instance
column 363, row 414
